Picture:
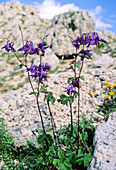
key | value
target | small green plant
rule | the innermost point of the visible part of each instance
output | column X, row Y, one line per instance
column 3, row 54
column 109, row 103
column 54, row 71
column 4, row 91
column 72, row 25
column 67, row 148
column 64, row 156
column 6, row 146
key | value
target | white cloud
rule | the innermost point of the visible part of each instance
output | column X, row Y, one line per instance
column 50, row 8
column 96, row 14
column 12, row 1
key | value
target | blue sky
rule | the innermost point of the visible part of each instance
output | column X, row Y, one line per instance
column 103, row 11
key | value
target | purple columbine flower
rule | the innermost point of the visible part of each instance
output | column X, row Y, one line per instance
column 96, row 39
column 9, row 47
column 84, row 52
column 85, row 38
column 76, row 83
column 76, row 43
column 28, row 47
column 39, row 71
column 40, row 50
column 70, row 89
column 56, row 156
column 47, row 67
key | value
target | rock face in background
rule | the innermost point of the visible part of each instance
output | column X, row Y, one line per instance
column 59, row 30
column 104, row 157
column 35, row 29
column 104, row 61
column 14, row 14
column 107, row 34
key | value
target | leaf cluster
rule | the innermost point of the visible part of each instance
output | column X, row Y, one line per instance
column 65, row 155
column 108, row 105
column 64, row 99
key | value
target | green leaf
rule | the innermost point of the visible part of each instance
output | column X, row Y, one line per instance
column 33, row 93
column 80, row 161
column 74, row 134
column 80, row 153
column 65, row 102
column 71, row 99
column 87, row 159
column 76, row 94
column 70, row 79
column 43, row 89
column 56, row 161
column 82, row 77
column 67, row 164
column 40, row 138
column 77, row 64
column 18, row 67
column 39, row 160
column 49, row 139
column 63, row 99
column 61, row 154
column 72, row 25
column 62, row 166
column 50, row 97
column 69, row 153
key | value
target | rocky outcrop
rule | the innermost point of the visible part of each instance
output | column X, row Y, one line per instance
column 14, row 14
column 104, row 61
column 107, row 34
column 59, row 31
column 35, row 29
column 104, row 157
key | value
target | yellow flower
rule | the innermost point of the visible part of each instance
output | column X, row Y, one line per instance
column 106, row 83
column 3, row 92
column 94, row 95
column 89, row 93
column 111, row 94
column 106, row 97
column 113, row 85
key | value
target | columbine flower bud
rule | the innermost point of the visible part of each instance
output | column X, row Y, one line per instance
column 9, row 46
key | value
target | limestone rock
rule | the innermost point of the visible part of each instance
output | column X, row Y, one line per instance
column 14, row 14
column 104, row 156
column 104, row 61
column 59, row 31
